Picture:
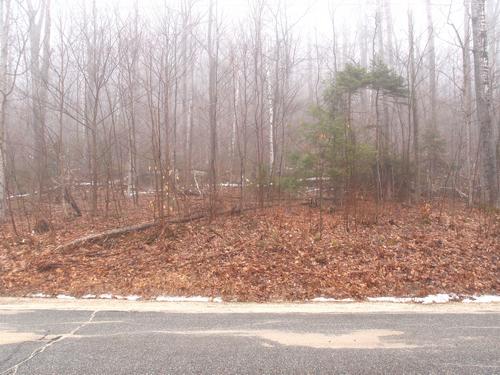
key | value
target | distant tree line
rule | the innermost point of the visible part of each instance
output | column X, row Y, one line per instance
column 187, row 101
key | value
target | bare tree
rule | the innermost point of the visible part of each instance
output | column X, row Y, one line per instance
column 145, row 102
column 212, row 49
column 465, row 45
column 129, row 75
column 413, row 105
column 5, row 8
column 483, row 100
column 38, row 17
column 432, row 129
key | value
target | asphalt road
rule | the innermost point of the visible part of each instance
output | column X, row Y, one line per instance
column 43, row 340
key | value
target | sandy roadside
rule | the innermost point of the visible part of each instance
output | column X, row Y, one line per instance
column 18, row 304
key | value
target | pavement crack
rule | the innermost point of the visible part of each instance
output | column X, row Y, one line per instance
column 49, row 344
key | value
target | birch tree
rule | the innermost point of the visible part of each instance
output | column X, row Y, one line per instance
column 212, row 49
column 483, row 100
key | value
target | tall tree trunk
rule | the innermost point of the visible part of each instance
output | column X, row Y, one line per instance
column 91, row 103
column 483, row 100
column 272, row 115
column 131, row 77
column 414, row 107
column 364, row 48
column 234, row 122
column 212, row 97
column 467, row 97
column 4, row 57
column 61, row 163
column 432, row 66
column 432, row 127
column 184, row 93
column 39, row 78
column 494, row 50
column 310, row 78
column 382, row 118
column 259, row 92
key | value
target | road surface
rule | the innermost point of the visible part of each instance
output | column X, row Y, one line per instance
column 106, row 337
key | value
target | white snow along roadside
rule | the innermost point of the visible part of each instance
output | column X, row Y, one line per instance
column 430, row 299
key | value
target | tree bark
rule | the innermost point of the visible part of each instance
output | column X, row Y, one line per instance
column 432, row 126
column 467, row 97
column 414, row 108
column 483, row 100
column 39, row 78
column 4, row 57
column 212, row 97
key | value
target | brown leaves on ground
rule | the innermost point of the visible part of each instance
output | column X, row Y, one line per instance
column 277, row 254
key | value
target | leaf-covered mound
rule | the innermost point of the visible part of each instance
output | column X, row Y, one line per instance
column 278, row 254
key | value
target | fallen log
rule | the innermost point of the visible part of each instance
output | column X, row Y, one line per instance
column 124, row 230
column 140, row 227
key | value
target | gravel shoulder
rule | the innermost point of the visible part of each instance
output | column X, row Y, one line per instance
column 18, row 304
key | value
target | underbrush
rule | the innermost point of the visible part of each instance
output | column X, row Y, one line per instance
column 275, row 254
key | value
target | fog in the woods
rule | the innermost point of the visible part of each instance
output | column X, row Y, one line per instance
column 258, row 150
column 107, row 103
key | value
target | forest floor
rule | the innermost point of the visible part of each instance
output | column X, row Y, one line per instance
column 274, row 254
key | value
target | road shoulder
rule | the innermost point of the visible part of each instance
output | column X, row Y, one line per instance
column 14, row 303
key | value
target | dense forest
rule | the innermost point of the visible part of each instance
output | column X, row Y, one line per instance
column 249, row 150
column 104, row 104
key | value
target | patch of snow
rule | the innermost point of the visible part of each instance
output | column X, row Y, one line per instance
column 325, row 299
column 38, row 295
column 317, row 178
column 146, row 192
column 187, row 299
column 391, row 299
column 106, row 296
column 436, row 298
column 133, row 297
column 482, row 299
column 432, row 298
column 63, row 296
column 19, row 196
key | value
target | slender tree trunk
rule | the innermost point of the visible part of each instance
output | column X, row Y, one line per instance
column 39, row 78
column 467, row 97
column 483, row 100
column 383, row 118
column 432, row 128
column 131, row 78
column 3, row 179
column 494, row 50
column 91, row 110
column 242, row 130
column 60, row 144
column 378, row 147
column 271, row 120
column 175, row 166
column 4, row 57
column 184, row 96
column 364, row 48
column 212, row 95
column 234, row 122
column 414, row 108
